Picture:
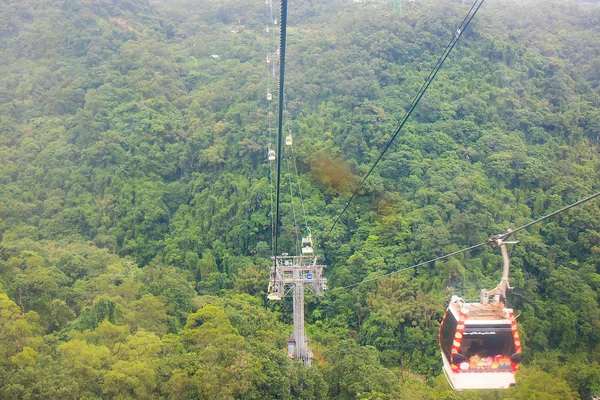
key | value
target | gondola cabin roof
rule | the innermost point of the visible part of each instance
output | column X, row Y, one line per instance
column 479, row 314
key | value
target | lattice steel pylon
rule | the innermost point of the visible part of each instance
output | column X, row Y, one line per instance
column 294, row 273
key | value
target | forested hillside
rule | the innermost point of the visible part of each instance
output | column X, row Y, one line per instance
column 135, row 195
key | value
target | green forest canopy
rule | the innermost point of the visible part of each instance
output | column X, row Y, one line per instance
column 135, row 196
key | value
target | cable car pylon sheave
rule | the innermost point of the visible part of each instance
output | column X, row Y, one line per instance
column 479, row 342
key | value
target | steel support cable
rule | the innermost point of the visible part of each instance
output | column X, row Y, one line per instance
column 283, row 34
column 289, row 174
column 271, row 183
column 297, row 178
column 565, row 208
column 450, row 44
column 269, row 17
column 269, row 113
column 293, row 156
column 299, row 189
column 272, row 215
column 467, row 20
column 417, row 265
column 491, row 240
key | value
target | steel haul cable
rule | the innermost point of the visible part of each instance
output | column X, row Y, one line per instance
column 501, row 236
column 269, row 18
column 466, row 21
column 289, row 174
column 299, row 189
column 283, row 36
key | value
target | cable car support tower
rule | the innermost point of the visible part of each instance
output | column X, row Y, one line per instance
column 292, row 273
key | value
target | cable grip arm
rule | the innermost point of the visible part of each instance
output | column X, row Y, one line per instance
column 499, row 292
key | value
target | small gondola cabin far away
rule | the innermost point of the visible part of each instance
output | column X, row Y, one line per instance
column 479, row 341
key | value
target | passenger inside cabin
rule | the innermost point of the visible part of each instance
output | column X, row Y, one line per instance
column 476, row 348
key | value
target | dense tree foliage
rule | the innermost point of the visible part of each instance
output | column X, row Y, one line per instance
column 135, row 198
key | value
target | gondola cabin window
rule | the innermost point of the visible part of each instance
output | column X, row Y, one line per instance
column 447, row 334
column 486, row 348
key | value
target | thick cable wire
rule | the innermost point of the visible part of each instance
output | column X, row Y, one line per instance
column 271, row 182
column 565, row 208
column 297, row 180
column 491, row 240
column 417, row 265
column 269, row 18
column 299, row 189
column 466, row 21
column 289, row 174
column 446, row 50
column 283, row 36
column 272, row 214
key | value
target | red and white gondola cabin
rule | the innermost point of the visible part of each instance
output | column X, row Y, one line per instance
column 480, row 345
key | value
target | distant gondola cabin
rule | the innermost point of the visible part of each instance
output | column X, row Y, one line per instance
column 307, row 245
